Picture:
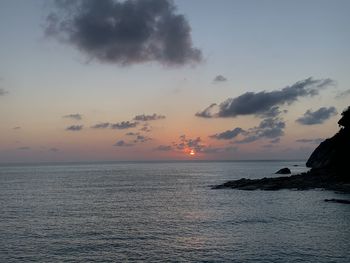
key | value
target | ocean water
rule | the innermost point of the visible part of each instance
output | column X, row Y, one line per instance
column 165, row 212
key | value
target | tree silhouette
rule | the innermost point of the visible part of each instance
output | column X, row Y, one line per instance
column 345, row 120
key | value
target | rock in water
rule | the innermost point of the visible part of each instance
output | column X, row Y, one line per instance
column 283, row 171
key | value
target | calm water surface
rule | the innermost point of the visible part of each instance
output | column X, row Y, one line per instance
column 161, row 212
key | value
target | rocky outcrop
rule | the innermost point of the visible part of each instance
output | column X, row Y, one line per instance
column 329, row 163
column 283, row 171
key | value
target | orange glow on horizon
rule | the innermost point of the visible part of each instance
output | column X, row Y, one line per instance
column 192, row 152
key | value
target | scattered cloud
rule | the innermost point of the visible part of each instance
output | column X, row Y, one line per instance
column 317, row 117
column 3, row 92
column 228, row 135
column 124, row 32
column 163, row 148
column 75, row 116
column 17, row 128
column 132, row 134
column 313, row 141
column 220, row 78
column 123, row 125
column 74, row 128
column 152, row 117
column 141, row 138
column 101, row 125
column 265, row 103
column 122, row 143
column 146, row 128
column 343, row 94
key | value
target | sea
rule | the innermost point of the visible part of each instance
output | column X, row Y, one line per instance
column 165, row 212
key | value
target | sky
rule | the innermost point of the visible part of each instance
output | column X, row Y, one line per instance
column 170, row 80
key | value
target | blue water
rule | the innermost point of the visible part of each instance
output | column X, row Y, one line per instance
column 159, row 212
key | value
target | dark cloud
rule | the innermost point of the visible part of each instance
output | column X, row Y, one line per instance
column 163, row 148
column 264, row 103
column 220, row 78
column 343, row 94
column 269, row 128
column 317, row 117
column 124, row 32
column 74, row 128
column 101, row 125
column 123, row 125
column 313, row 141
column 228, row 135
column 75, row 116
column 24, row 148
column 152, row 117
column 122, row 143
column 3, row 92
column 141, row 138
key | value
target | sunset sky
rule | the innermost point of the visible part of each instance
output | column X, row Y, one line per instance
column 159, row 80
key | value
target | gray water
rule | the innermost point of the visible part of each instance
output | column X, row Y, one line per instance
column 165, row 212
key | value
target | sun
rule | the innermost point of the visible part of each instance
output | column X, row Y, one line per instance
column 192, row 152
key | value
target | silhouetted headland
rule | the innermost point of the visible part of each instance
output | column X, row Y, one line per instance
column 329, row 163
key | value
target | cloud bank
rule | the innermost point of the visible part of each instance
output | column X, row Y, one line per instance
column 265, row 103
column 317, row 117
column 124, row 32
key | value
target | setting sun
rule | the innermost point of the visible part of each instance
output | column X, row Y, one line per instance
column 192, row 152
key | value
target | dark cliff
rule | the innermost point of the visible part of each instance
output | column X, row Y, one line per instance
column 333, row 154
column 329, row 163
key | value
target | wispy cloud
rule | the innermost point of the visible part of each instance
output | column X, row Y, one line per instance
column 123, row 125
column 3, row 92
column 314, row 141
column 220, row 78
column 317, row 117
column 228, row 135
column 124, row 32
column 75, row 116
column 24, row 148
column 74, row 128
column 265, row 103
column 343, row 94
column 152, row 117
column 163, row 148
column 53, row 149
column 122, row 143
column 101, row 125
